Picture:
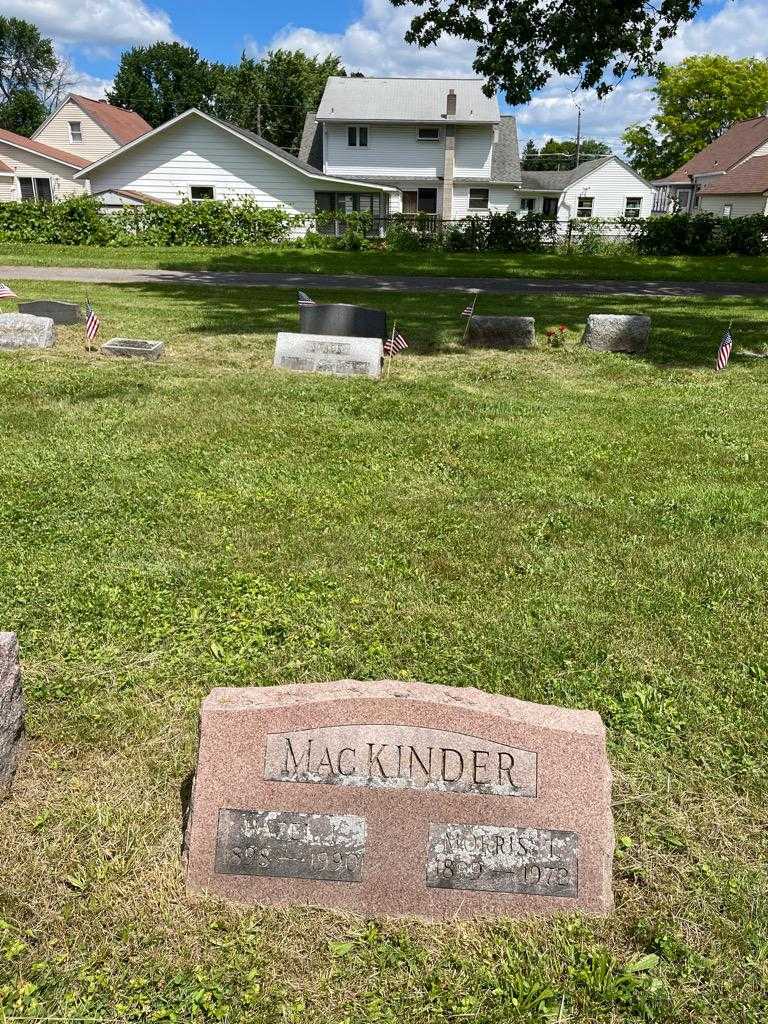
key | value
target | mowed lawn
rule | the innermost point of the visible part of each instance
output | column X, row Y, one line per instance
column 566, row 527
column 620, row 265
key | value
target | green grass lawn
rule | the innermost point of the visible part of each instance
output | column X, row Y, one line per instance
column 616, row 266
column 571, row 528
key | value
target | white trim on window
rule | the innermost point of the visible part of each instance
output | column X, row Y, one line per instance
column 357, row 136
column 428, row 133
column 201, row 199
column 584, row 206
column 728, row 209
column 33, row 188
column 75, row 132
column 637, row 206
column 479, row 199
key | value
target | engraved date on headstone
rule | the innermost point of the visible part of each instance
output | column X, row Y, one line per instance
column 531, row 861
column 290, row 844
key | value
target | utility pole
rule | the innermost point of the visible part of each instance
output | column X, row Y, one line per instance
column 258, row 119
column 578, row 136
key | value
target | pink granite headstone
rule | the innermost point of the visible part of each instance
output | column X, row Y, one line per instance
column 400, row 799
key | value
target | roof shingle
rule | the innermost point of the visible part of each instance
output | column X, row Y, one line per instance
column 749, row 178
column 407, row 99
column 39, row 147
column 737, row 143
column 123, row 125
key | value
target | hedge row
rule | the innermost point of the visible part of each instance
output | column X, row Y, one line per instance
column 700, row 235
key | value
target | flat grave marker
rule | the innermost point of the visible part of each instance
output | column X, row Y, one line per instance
column 400, row 799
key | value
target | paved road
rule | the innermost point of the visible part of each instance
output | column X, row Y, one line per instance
column 497, row 285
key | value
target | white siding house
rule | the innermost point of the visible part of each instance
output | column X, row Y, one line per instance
column 605, row 188
column 32, row 170
column 90, row 128
column 196, row 156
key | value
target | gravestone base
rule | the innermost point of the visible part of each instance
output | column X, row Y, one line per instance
column 502, row 331
column 20, row 330
column 12, row 709
column 318, row 353
column 132, row 348
column 612, row 332
column 59, row 312
column 401, row 800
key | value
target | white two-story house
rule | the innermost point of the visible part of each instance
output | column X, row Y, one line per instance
column 447, row 149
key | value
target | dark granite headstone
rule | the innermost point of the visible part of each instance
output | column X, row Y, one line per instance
column 59, row 312
column 343, row 321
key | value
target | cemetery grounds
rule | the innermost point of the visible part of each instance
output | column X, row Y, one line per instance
column 566, row 527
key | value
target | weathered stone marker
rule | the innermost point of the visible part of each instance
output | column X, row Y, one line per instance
column 617, row 332
column 400, row 799
column 59, row 312
column 12, row 710
column 132, row 348
column 341, row 357
column 502, row 331
column 20, row 330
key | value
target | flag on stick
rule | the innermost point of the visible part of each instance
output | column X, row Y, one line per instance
column 6, row 293
column 92, row 322
column 395, row 344
column 724, row 352
column 469, row 311
column 304, row 300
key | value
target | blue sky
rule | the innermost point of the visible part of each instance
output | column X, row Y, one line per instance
column 368, row 35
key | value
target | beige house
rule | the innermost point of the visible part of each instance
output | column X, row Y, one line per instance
column 33, row 170
column 90, row 128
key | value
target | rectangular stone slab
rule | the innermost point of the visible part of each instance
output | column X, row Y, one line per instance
column 133, row 348
column 356, row 795
column 342, row 320
column 59, row 312
column 22, row 330
column 340, row 356
column 12, row 711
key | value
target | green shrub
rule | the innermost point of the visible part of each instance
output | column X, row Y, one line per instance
column 701, row 235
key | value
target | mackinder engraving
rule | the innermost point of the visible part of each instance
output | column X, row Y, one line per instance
column 532, row 861
column 289, row 844
column 400, row 757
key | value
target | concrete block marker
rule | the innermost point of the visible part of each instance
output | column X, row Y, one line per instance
column 400, row 799
column 21, row 330
column 132, row 348
column 613, row 332
column 339, row 356
column 502, row 331
column 12, row 709
column 59, row 312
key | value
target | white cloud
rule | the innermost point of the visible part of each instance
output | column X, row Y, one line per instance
column 375, row 45
column 89, row 85
column 737, row 29
column 94, row 23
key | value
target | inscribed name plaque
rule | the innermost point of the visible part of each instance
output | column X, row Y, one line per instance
column 400, row 799
column 317, row 353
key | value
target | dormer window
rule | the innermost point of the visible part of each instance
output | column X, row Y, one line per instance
column 429, row 134
column 75, row 131
column 357, row 135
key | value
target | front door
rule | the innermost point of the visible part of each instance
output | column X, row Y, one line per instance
column 549, row 207
column 427, row 200
column 410, row 202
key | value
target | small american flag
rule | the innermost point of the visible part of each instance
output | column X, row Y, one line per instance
column 470, row 310
column 304, row 300
column 395, row 344
column 724, row 352
column 92, row 323
column 6, row 293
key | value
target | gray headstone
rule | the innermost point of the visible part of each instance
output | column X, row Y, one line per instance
column 341, row 320
column 11, row 710
column 133, row 348
column 59, row 312
column 612, row 332
column 317, row 353
column 502, row 331
column 20, row 330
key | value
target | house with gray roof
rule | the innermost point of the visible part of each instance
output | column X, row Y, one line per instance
column 448, row 150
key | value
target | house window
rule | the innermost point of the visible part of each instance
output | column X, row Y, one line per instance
column 478, row 199
column 584, row 207
column 357, row 135
column 75, row 131
column 549, row 207
column 197, row 193
column 528, row 204
column 429, row 135
column 427, row 200
column 633, row 206
column 35, row 190
column 727, row 209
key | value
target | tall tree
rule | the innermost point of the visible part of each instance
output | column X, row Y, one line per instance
column 697, row 100
column 163, row 80
column 27, row 59
column 521, row 44
column 271, row 96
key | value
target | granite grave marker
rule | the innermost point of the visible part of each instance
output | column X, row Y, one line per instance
column 59, row 312
column 12, row 710
column 400, row 799
column 342, row 320
column 317, row 353
column 21, row 330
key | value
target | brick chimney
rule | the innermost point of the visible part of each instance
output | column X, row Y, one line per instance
column 450, row 105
